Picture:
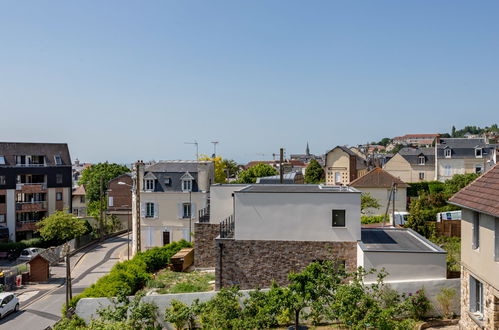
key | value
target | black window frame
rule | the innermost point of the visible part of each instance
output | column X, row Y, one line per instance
column 58, row 196
column 338, row 212
column 58, row 178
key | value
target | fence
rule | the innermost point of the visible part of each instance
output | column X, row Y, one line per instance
column 449, row 228
column 227, row 227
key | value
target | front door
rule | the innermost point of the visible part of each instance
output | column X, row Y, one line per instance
column 166, row 237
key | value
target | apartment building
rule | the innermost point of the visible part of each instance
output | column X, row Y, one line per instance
column 480, row 251
column 171, row 194
column 412, row 164
column 342, row 166
column 419, row 140
column 35, row 181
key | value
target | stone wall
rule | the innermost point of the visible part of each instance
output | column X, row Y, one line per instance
column 490, row 309
column 252, row 263
column 204, row 244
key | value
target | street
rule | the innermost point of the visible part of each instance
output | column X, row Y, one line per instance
column 46, row 311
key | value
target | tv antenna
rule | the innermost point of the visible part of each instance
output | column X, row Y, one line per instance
column 197, row 148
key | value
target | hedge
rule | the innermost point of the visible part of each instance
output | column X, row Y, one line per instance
column 365, row 219
column 21, row 245
column 131, row 275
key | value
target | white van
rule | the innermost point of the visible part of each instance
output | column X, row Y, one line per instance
column 400, row 218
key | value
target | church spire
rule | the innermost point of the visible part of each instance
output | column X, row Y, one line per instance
column 307, row 151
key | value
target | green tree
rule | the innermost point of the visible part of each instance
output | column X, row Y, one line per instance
column 230, row 167
column 367, row 201
column 91, row 178
column 183, row 316
column 314, row 172
column 396, row 149
column 251, row 174
column 453, row 133
column 458, row 182
column 61, row 227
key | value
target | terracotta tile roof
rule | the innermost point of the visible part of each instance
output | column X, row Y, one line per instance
column 481, row 195
column 79, row 191
column 378, row 178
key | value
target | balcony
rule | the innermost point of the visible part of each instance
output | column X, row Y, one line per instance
column 31, row 165
column 35, row 206
column 26, row 225
column 31, row 187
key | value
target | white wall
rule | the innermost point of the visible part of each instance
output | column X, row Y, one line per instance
column 296, row 216
column 381, row 195
column 221, row 201
column 10, row 201
column 405, row 266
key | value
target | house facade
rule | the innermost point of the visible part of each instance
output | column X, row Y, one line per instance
column 171, row 194
column 412, row 164
column 480, row 251
column 79, row 205
column 119, row 199
column 418, row 140
column 378, row 183
column 342, row 166
column 35, row 181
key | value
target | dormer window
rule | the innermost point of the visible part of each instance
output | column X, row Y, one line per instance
column 58, row 159
column 478, row 152
column 149, row 184
column 421, row 160
column 168, row 181
column 187, row 185
column 2, row 160
column 447, row 153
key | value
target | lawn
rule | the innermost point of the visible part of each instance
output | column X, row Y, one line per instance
column 167, row 281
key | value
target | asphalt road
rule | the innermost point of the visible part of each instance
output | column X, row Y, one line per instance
column 46, row 311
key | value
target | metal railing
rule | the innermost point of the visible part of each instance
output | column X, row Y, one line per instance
column 227, row 227
column 19, row 186
column 204, row 215
column 19, row 205
column 31, row 165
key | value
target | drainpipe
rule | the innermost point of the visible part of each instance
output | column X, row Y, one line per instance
column 436, row 158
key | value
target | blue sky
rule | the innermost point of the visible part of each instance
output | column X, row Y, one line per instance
column 128, row 80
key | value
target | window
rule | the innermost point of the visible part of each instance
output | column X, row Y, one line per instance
column 476, row 296
column 421, row 175
column 168, row 181
column 337, row 177
column 496, row 241
column 82, row 199
column 338, row 218
column 2, row 199
column 186, row 210
column 478, row 152
column 149, row 184
column 476, row 230
column 478, row 169
column 58, row 178
column 111, row 201
column 149, row 210
column 58, row 159
column 58, row 196
column 2, row 160
column 447, row 170
column 2, row 218
column 448, row 153
column 166, row 237
column 2, row 179
column 186, row 185
column 421, row 160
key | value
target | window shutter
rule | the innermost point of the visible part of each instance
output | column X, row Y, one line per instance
column 156, row 210
column 180, row 208
column 472, row 285
column 142, row 210
column 193, row 210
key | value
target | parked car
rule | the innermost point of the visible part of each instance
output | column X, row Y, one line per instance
column 8, row 303
column 29, row 253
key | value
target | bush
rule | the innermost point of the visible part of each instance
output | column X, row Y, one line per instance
column 364, row 219
column 444, row 299
column 21, row 245
column 417, row 305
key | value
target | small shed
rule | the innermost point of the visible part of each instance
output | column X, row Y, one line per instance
column 183, row 259
column 39, row 269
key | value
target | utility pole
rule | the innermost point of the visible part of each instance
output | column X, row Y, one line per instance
column 197, row 148
column 190, row 214
column 101, row 220
column 137, row 206
column 281, row 170
column 69, row 290
column 393, row 202
column 214, row 149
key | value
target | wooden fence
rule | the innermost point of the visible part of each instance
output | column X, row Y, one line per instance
column 449, row 228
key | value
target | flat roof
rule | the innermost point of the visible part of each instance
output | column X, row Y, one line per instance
column 296, row 188
column 395, row 240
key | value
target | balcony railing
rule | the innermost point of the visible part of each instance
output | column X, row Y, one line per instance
column 29, row 206
column 19, row 186
column 204, row 215
column 227, row 227
column 31, row 165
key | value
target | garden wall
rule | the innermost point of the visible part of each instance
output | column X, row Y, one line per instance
column 204, row 244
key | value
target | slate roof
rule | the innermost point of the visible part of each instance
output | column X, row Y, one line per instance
column 377, row 178
column 412, row 155
column 11, row 149
column 481, row 195
column 288, row 178
column 295, row 188
column 179, row 166
column 463, row 148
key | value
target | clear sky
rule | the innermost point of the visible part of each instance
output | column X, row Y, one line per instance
column 127, row 80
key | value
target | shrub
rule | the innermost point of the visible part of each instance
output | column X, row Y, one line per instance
column 417, row 304
column 181, row 315
column 223, row 311
column 364, row 219
column 445, row 299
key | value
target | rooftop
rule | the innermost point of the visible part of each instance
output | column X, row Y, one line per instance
column 395, row 240
column 377, row 178
column 296, row 188
column 178, row 166
column 481, row 195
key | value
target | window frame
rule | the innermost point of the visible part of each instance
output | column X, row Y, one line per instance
column 421, row 176
column 58, row 178
column 478, row 153
column 343, row 211
column 58, row 160
column 58, row 196
column 189, row 182
column 149, row 184
column 3, row 180
column 3, row 218
column 150, row 207
column 448, row 153
column 2, row 160
column 476, row 299
column 421, row 160
column 475, row 232
column 479, row 168
column 184, row 214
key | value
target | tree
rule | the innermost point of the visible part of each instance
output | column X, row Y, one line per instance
column 230, row 167
column 453, row 133
column 396, row 148
column 220, row 176
column 314, row 172
column 458, row 182
column 91, row 178
column 251, row 174
column 367, row 201
column 61, row 227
